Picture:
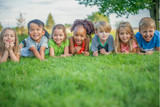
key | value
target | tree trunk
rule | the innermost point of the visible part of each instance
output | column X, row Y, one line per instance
column 154, row 13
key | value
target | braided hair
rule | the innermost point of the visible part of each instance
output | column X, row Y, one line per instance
column 88, row 25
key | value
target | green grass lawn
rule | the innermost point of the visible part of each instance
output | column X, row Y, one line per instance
column 81, row 81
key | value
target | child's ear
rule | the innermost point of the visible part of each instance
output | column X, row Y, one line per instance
column 43, row 32
column 28, row 33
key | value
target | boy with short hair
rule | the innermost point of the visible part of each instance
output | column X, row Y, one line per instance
column 36, row 43
column 102, row 42
column 148, row 38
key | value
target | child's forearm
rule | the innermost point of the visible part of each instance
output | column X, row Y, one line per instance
column 107, row 53
column 51, row 51
column 42, row 50
column 36, row 53
column 66, row 50
column 4, row 57
column 86, row 53
column 157, row 48
column 13, row 56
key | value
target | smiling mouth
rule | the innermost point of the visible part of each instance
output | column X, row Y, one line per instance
column 78, row 42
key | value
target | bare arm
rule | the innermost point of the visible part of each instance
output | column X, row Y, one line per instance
column 86, row 50
column 66, row 50
column 51, row 51
column 4, row 57
column 13, row 56
column 36, row 53
column 71, row 45
column 42, row 50
column 6, row 53
column 157, row 48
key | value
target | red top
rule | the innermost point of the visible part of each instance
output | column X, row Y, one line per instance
column 82, row 49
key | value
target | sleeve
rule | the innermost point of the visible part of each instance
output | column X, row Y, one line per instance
column 44, row 41
column 50, row 43
column 111, row 43
column 158, row 39
column 30, row 43
column 67, row 43
column 94, row 46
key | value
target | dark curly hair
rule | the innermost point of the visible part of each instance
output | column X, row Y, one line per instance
column 88, row 25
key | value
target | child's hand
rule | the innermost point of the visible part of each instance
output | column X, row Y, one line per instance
column 6, row 45
column 107, row 53
column 126, row 52
column 149, row 52
column 95, row 53
column 65, row 55
column 77, row 49
column 85, row 53
column 103, row 51
column 11, row 45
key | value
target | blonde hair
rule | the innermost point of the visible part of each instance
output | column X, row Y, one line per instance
column 103, row 26
column 60, row 26
column 147, row 22
column 127, row 26
column 2, row 45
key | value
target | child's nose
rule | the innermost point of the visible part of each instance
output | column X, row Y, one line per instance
column 147, row 33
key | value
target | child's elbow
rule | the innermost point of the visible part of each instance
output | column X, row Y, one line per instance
column 157, row 48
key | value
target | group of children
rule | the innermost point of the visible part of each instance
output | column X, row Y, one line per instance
column 146, row 41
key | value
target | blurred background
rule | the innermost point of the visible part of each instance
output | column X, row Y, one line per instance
column 17, row 13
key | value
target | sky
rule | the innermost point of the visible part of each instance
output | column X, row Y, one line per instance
column 63, row 11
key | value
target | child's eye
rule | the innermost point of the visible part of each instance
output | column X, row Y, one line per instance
column 144, row 31
column 12, row 35
column 5, row 35
column 151, row 31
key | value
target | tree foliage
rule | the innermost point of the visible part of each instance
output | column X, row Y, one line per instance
column 96, row 16
column 50, row 21
column 125, row 7
column 120, row 7
column 21, row 24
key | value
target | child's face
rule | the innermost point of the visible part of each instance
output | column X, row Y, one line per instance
column 58, row 36
column 103, row 35
column 9, row 36
column 80, row 35
column 147, row 33
column 124, row 36
column 36, row 32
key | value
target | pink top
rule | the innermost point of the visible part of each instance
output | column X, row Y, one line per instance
column 126, row 48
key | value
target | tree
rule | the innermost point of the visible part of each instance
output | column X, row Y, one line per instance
column 50, row 22
column 21, row 24
column 1, row 27
column 96, row 16
column 125, row 7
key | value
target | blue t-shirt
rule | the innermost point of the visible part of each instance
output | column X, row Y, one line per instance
column 148, row 46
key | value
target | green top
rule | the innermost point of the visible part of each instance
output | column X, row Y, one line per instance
column 58, row 50
column 101, row 44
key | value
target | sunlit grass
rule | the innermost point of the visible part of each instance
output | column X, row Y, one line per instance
column 81, row 81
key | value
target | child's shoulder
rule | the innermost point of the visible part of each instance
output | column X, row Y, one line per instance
column 110, row 36
column 157, row 33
